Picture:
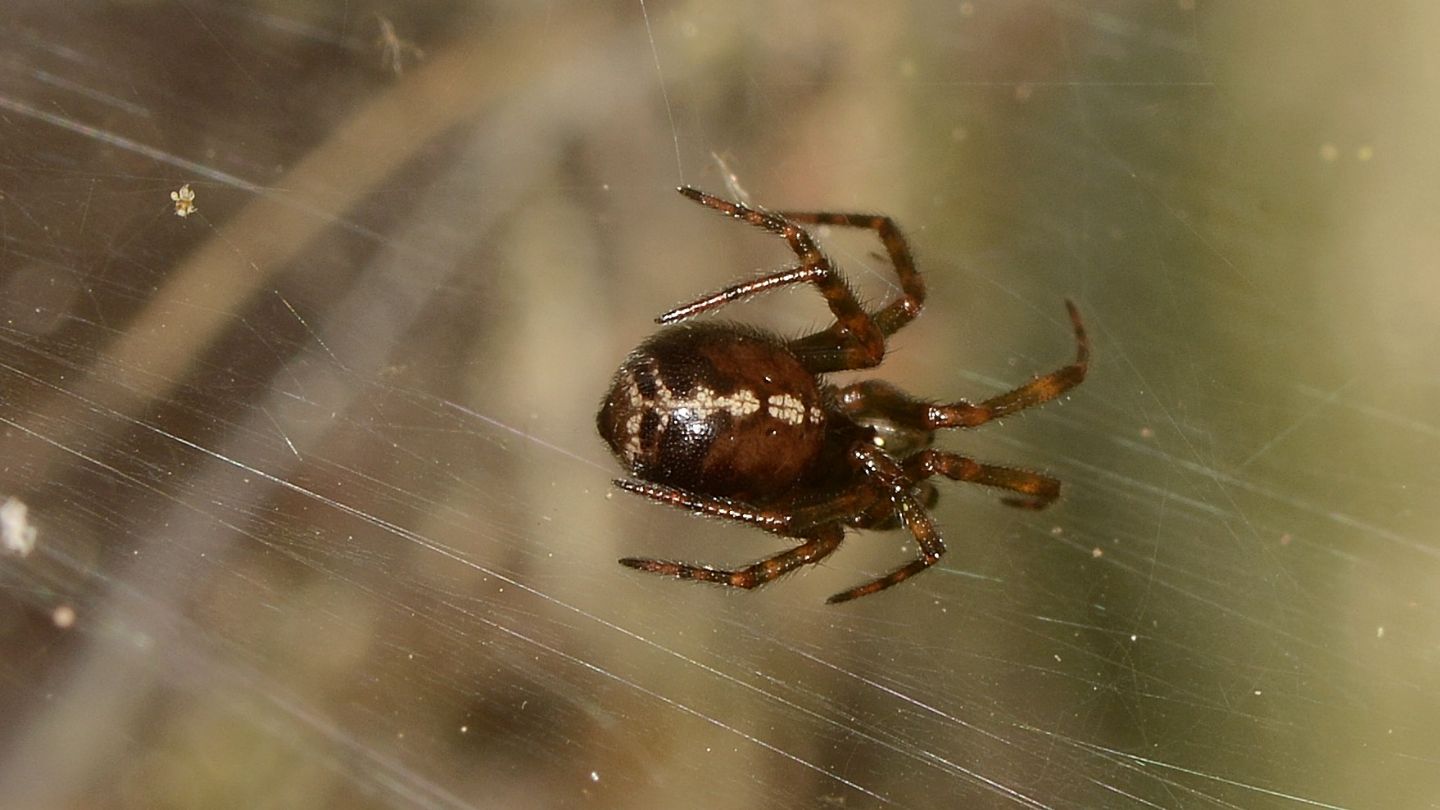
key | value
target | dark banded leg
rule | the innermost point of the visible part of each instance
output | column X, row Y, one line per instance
column 855, row 341
column 824, row 540
column 710, row 505
column 878, row 399
column 1039, row 491
column 795, row 274
column 885, row 474
column 787, row 521
column 912, row 298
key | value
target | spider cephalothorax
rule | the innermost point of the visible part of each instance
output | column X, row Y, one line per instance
column 734, row 422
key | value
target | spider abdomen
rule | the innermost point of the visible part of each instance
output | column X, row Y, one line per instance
column 715, row 408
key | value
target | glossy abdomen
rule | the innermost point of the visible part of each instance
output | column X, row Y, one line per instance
column 715, row 408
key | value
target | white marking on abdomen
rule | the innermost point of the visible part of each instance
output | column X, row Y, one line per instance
column 787, row 409
column 700, row 405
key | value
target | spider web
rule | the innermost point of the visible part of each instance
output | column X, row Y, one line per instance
column 303, row 503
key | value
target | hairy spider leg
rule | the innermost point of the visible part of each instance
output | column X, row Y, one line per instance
column 1039, row 490
column 819, row 543
column 903, row 309
column 876, row 398
column 785, row 519
column 818, row 525
column 709, row 505
column 873, row 399
column 794, row 274
column 855, row 341
column 886, row 475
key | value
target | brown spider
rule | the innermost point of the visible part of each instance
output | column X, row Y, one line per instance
column 734, row 422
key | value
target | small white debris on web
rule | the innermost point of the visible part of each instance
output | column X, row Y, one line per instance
column 17, row 536
column 184, row 201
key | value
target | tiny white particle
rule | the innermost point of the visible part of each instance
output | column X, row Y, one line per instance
column 17, row 536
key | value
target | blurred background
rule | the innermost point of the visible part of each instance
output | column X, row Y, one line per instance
column 308, row 505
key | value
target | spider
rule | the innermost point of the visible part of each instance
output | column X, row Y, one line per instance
column 733, row 422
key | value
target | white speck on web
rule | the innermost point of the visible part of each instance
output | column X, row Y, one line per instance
column 17, row 536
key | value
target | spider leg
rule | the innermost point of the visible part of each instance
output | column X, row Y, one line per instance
column 819, row 543
column 912, row 298
column 855, row 341
column 879, row 399
column 794, row 274
column 881, row 516
column 886, row 475
column 786, row 521
column 710, row 505
column 1039, row 491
